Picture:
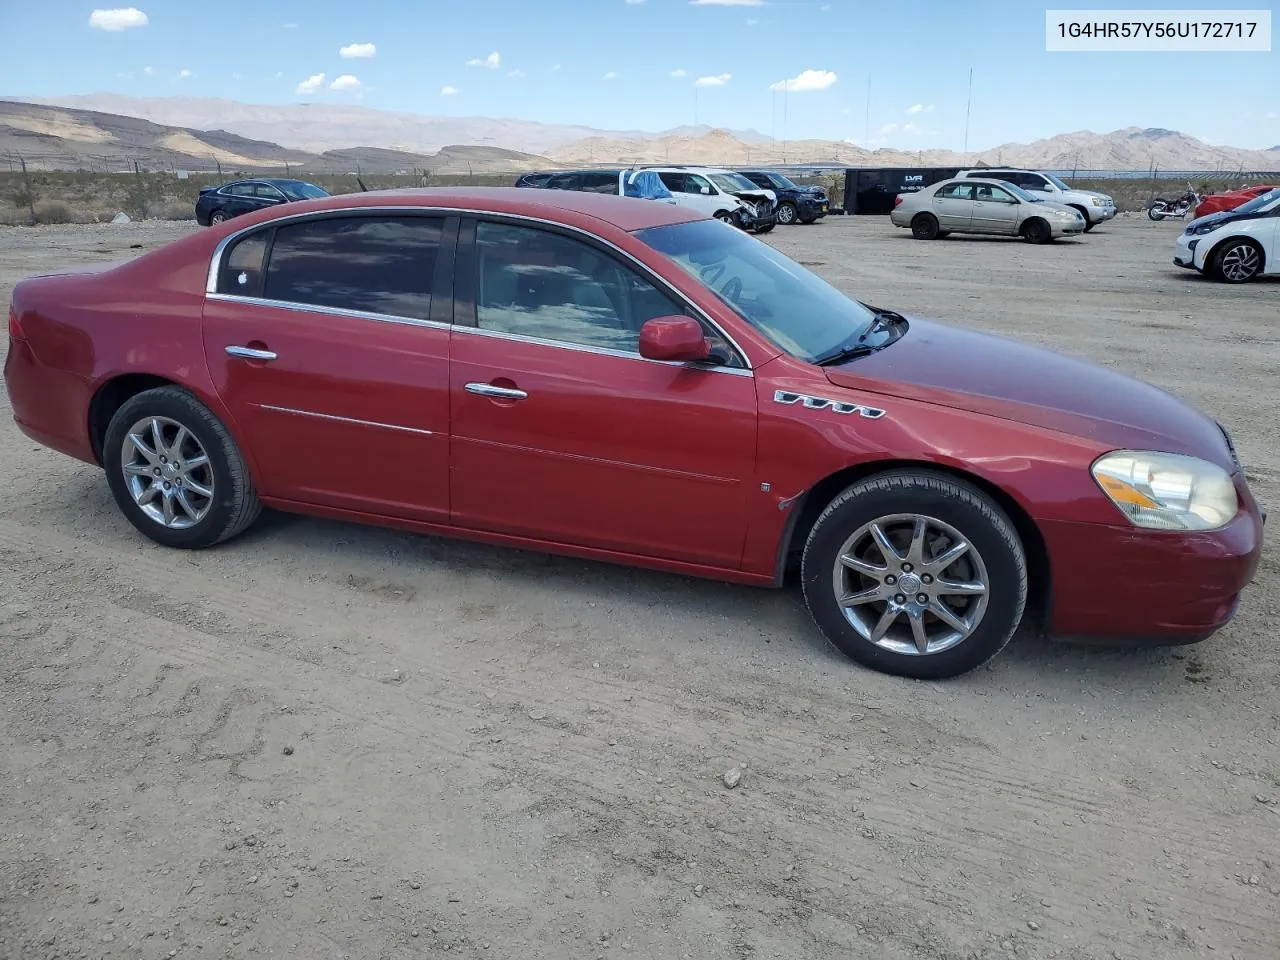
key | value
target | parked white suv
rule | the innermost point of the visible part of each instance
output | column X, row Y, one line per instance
column 723, row 194
column 1096, row 208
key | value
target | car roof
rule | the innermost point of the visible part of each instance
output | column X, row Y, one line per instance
column 625, row 213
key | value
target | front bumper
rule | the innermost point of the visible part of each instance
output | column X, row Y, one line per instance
column 1101, row 214
column 812, row 208
column 1123, row 583
column 1062, row 228
column 1184, row 251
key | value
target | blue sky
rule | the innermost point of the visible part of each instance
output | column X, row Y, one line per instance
column 610, row 63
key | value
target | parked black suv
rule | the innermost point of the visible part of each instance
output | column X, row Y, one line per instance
column 795, row 203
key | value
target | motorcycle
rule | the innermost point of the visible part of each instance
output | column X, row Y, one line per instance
column 1179, row 207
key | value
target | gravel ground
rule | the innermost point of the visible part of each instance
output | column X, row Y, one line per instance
column 332, row 741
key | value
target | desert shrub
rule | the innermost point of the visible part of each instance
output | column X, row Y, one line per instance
column 176, row 210
column 53, row 211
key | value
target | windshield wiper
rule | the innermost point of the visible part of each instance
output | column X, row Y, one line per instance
column 884, row 320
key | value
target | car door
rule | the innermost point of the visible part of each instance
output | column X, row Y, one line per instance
column 562, row 432
column 995, row 210
column 268, row 195
column 953, row 205
column 327, row 338
column 240, row 198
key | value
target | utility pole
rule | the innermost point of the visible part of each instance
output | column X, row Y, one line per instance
column 26, row 179
column 786, row 87
column 967, row 109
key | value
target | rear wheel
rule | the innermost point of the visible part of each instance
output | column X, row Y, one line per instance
column 1236, row 261
column 915, row 573
column 175, row 471
column 1156, row 211
column 787, row 213
column 217, row 217
column 924, row 226
column 1037, row 231
column 765, row 228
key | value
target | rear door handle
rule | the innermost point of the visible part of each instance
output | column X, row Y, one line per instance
column 502, row 393
column 250, row 353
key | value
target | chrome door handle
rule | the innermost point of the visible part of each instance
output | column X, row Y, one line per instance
column 250, row 353
column 502, row 393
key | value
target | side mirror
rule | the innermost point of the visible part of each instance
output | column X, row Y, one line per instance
column 677, row 338
column 706, row 191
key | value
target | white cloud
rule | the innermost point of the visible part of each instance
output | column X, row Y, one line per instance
column 910, row 129
column 279, row 74
column 493, row 61
column 806, row 81
column 1272, row 116
column 358, row 51
column 345, row 82
column 611, row 75
column 888, row 128
column 311, row 84
column 920, row 108
column 291, row 26
column 148, row 71
column 515, row 73
column 752, row 22
column 717, row 81
column 185, row 74
column 121, row 18
column 634, row 3
column 237, row 76
column 726, row 3
column 447, row 91
column 679, row 72
column 558, row 66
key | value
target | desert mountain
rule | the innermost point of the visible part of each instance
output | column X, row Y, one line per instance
column 61, row 138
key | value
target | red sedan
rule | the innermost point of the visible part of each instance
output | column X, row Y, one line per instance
column 624, row 380
column 1220, row 202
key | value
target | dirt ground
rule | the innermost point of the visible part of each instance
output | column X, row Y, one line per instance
column 330, row 741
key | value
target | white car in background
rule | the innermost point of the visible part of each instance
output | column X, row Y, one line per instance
column 1095, row 207
column 722, row 194
column 1234, row 246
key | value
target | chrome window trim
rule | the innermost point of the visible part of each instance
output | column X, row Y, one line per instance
column 330, row 311
column 215, row 266
column 600, row 351
column 334, row 417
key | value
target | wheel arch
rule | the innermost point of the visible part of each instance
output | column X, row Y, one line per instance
column 1081, row 209
column 111, row 396
column 1262, row 249
column 810, row 504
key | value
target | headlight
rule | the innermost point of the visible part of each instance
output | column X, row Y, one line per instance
column 1097, row 201
column 1203, row 229
column 1166, row 491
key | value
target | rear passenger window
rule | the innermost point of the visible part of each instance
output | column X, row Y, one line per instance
column 371, row 264
column 241, row 271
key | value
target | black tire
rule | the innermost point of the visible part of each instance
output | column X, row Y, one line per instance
column 787, row 214
column 939, row 497
column 1236, row 261
column 924, row 226
column 724, row 216
column 1037, row 230
column 1088, row 224
column 217, row 217
column 943, row 234
column 766, row 228
column 808, row 220
column 1155, row 212
column 234, row 504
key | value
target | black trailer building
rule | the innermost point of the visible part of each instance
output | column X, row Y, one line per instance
column 872, row 189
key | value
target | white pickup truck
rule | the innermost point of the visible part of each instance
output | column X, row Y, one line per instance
column 1096, row 208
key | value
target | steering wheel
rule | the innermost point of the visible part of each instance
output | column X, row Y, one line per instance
column 711, row 272
column 733, row 289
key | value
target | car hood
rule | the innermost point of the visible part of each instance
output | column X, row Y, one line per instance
column 995, row 376
column 1217, row 219
column 1092, row 193
column 756, row 195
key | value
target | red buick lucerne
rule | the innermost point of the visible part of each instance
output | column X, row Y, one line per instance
column 623, row 380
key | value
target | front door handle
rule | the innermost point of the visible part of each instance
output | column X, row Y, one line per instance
column 250, row 353
column 502, row 393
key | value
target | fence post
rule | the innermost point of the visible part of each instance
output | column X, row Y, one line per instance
column 31, row 197
column 142, row 190
column 218, row 164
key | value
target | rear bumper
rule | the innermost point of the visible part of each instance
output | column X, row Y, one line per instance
column 49, row 406
column 1113, row 583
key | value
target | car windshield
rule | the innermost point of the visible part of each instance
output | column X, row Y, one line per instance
column 732, row 182
column 796, row 309
column 1258, row 204
column 302, row 191
column 784, row 182
column 1060, row 184
column 1021, row 194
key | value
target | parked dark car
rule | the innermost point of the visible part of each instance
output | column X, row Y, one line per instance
column 795, row 202
column 535, row 179
column 216, row 204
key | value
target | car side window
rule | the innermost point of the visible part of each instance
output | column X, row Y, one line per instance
column 695, row 183
column 374, row 264
column 563, row 181
column 1032, row 181
column 241, row 270
column 672, row 181
column 538, row 283
column 992, row 194
column 600, row 183
column 267, row 191
column 241, row 190
column 956, row 191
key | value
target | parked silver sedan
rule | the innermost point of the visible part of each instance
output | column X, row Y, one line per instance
column 983, row 206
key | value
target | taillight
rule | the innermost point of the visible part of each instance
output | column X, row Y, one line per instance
column 15, row 328
column 897, row 201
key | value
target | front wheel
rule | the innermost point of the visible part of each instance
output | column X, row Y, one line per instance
column 1236, row 261
column 924, row 226
column 915, row 573
column 1156, row 211
column 765, row 228
column 1037, row 231
column 175, row 471
column 787, row 213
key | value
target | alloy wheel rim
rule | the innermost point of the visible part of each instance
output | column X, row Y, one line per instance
column 1240, row 262
column 911, row 584
column 167, row 472
column 785, row 214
